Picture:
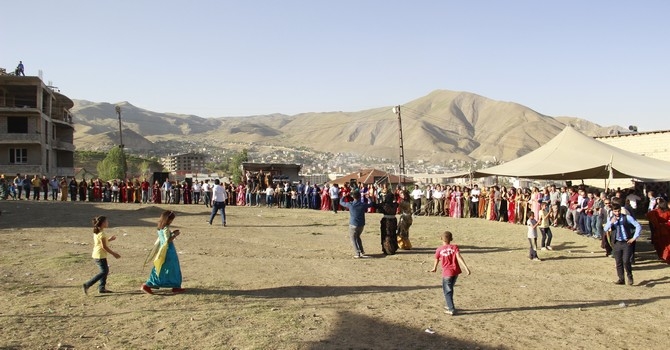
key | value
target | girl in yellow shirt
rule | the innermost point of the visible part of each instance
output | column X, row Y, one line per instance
column 100, row 250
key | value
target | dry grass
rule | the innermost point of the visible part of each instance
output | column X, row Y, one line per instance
column 285, row 279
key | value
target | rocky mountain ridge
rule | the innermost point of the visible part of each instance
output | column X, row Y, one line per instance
column 440, row 126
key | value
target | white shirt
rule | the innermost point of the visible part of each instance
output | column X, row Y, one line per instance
column 633, row 198
column 334, row 192
column 205, row 187
column 475, row 195
column 417, row 193
column 219, row 194
column 196, row 187
column 437, row 194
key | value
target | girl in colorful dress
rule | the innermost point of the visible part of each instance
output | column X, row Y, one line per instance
column 166, row 272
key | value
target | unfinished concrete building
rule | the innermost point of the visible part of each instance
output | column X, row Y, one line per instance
column 36, row 130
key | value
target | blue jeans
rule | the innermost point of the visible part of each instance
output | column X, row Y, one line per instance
column 101, row 276
column 215, row 208
column 355, row 237
column 546, row 236
column 448, row 290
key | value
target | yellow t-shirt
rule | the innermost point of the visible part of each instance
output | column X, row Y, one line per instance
column 98, row 251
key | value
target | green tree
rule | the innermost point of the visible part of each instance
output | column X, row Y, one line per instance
column 114, row 166
column 235, row 165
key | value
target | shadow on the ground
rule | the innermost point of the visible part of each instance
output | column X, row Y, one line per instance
column 355, row 331
column 310, row 291
column 568, row 304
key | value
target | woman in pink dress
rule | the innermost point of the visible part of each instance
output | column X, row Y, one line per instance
column 535, row 200
column 511, row 205
column 325, row 198
column 455, row 207
column 241, row 194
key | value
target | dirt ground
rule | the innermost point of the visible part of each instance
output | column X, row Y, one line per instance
column 286, row 279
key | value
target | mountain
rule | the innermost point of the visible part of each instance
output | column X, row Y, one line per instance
column 440, row 126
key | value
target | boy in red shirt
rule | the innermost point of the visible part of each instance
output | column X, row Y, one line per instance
column 452, row 261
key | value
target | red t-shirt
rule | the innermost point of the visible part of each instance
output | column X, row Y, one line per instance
column 447, row 256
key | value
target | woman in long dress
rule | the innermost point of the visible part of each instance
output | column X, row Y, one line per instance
column 455, row 203
column 166, row 272
column 241, row 194
column 660, row 229
column 511, row 212
column 156, row 193
column 504, row 205
column 388, row 224
column 491, row 204
column 325, row 198
column 535, row 200
column 481, row 206
column 405, row 221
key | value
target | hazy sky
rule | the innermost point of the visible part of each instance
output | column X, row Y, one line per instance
column 604, row 61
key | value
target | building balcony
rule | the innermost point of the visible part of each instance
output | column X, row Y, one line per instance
column 20, row 138
column 22, row 169
column 63, row 146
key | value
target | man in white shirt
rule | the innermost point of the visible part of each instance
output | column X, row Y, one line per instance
column 334, row 192
column 417, row 193
column 219, row 197
column 437, row 200
column 196, row 192
column 206, row 193
column 474, row 201
column 269, row 195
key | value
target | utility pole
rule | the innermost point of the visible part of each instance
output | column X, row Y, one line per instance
column 396, row 110
column 118, row 112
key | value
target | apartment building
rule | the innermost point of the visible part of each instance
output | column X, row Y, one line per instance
column 36, row 129
column 183, row 163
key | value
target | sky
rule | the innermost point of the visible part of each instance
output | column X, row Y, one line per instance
column 604, row 61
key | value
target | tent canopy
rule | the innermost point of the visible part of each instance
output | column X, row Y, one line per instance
column 572, row 155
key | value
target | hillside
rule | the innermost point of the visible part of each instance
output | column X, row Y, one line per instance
column 440, row 126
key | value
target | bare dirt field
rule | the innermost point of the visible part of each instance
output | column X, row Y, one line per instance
column 286, row 279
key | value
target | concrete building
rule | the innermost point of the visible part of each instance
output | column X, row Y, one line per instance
column 36, row 130
column 653, row 144
column 184, row 163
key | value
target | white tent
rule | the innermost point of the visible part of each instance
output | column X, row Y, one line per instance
column 572, row 155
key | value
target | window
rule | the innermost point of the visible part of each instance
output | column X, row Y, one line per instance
column 17, row 125
column 18, row 156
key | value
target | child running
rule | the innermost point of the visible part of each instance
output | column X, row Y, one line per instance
column 100, row 250
column 450, row 257
column 532, row 237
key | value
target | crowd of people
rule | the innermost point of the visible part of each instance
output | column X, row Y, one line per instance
column 609, row 216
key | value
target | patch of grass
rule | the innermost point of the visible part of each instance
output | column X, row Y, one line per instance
column 71, row 259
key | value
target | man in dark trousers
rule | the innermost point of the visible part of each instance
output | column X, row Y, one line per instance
column 357, row 211
column 19, row 69
column 625, row 230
